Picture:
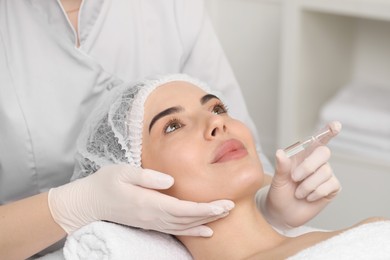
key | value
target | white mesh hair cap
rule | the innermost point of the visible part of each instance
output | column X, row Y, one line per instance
column 112, row 133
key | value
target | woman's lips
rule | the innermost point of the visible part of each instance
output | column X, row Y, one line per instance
column 229, row 150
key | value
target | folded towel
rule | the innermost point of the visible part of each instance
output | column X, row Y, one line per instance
column 361, row 143
column 368, row 241
column 357, row 137
column 360, row 106
column 367, row 152
column 103, row 240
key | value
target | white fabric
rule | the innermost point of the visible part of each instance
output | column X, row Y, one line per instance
column 362, row 107
column 364, row 110
column 48, row 86
column 369, row 241
column 355, row 141
column 103, row 240
column 366, row 140
column 355, row 148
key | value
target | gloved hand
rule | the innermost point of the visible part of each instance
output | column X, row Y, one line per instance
column 123, row 194
column 302, row 186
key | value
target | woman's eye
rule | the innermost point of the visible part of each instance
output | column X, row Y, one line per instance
column 219, row 109
column 172, row 126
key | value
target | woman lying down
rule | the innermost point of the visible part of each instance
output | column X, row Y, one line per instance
column 186, row 132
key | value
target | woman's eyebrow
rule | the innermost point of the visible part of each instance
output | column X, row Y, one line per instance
column 207, row 97
column 163, row 113
column 177, row 109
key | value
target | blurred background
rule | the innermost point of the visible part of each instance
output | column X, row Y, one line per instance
column 302, row 63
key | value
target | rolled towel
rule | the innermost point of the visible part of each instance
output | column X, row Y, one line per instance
column 104, row 240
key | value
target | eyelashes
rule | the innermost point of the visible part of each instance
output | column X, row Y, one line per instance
column 220, row 108
column 174, row 123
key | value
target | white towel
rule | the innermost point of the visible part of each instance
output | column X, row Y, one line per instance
column 379, row 142
column 368, row 152
column 103, row 240
column 108, row 241
column 360, row 106
column 368, row 241
column 363, row 144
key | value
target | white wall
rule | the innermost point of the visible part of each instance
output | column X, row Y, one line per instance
column 249, row 31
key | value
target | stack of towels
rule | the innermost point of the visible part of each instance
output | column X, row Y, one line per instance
column 364, row 111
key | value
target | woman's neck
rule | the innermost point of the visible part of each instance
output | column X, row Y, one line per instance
column 241, row 234
column 72, row 8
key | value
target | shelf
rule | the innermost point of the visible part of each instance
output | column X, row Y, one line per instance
column 372, row 9
column 327, row 44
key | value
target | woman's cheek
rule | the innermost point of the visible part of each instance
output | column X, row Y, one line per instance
column 188, row 171
column 182, row 161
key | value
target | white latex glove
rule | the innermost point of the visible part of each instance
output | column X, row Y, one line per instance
column 125, row 195
column 301, row 187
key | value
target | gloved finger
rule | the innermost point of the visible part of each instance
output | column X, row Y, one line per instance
column 202, row 231
column 327, row 190
column 182, row 208
column 308, row 166
column 146, row 178
column 283, row 167
column 335, row 128
column 311, row 183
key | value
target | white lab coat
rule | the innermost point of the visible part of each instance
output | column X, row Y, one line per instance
column 48, row 85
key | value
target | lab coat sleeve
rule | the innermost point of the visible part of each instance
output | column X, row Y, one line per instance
column 207, row 61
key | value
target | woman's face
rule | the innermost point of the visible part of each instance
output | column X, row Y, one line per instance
column 189, row 135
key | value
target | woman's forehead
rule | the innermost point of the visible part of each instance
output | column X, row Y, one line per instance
column 179, row 86
column 175, row 90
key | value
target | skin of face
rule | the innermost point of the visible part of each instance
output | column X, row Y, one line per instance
column 185, row 142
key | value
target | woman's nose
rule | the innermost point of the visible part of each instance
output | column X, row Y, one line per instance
column 215, row 126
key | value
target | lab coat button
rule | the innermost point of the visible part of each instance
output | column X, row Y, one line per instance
column 109, row 86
